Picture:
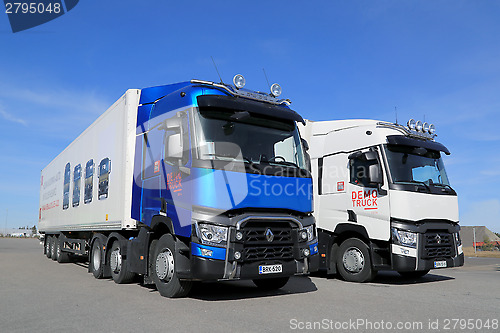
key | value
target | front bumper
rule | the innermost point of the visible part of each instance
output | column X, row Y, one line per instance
column 428, row 254
column 206, row 269
column 403, row 263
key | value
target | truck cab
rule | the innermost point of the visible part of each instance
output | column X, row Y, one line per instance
column 382, row 198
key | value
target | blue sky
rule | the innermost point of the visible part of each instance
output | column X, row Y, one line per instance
column 334, row 59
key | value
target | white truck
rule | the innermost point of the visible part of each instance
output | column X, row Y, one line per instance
column 382, row 198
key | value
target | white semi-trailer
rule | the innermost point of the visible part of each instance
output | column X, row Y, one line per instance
column 171, row 183
column 382, row 199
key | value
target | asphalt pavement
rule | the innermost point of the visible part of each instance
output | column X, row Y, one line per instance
column 41, row 295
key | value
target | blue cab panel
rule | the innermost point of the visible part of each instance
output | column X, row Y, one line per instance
column 163, row 188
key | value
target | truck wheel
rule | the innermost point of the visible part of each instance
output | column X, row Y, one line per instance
column 353, row 261
column 272, row 283
column 119, row 271
column 48, row 240
column 53, row 248
column 61, row 255
column 97, row 259
column 414, row 274
column 163, row 270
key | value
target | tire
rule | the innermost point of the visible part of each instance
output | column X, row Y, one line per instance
column 47, row 246
column 53, row 248
column 272, row 283
column 62, row 256
column 163, row 270
column 118, row 265
column 97, row 259
column 414, row 274
column 353, row 261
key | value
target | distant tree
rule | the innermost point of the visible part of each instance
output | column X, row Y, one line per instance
column 487, row 245
column 497, row 233
column 33, row 230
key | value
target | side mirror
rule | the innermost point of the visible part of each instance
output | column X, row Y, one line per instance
column 375, row 174
column 305, row 144
column 174, row 146
column 355, row 155
column 370, row 156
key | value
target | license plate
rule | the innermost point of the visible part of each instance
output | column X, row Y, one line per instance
column 270, row 269
column 439, row 264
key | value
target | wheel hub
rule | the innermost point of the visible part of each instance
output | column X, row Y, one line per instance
column 165, row 265
column 116, row 260
column 353, row 260
column 96, row 258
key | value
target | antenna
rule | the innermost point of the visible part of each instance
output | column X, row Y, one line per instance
column 217, row 69
column 266, row 78
column 396, row 110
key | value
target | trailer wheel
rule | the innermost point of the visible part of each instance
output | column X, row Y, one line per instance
column 61, row 255
column 272, row 283
column 163, row 270
column 53, row 248
column 48, row 240
column 97, row 259
column 118, row 265
column 353, row 261
column 414, row 274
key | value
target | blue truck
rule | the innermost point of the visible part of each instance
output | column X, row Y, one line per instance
column 194, row 181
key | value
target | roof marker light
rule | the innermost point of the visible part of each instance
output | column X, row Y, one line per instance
column 411, row 124
column 425, row 127
column 275, row 90
column 432, row 129
column 419, row 126
column 239, row 81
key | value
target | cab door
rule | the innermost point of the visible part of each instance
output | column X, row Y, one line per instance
column 368, row 195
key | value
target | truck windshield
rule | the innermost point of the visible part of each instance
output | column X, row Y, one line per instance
column 229, row 135
column 416, row 165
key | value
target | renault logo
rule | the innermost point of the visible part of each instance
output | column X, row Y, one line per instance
column 438, row 239
column 269, row 235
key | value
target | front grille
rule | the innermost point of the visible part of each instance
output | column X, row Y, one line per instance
column 257, row 245
column 438, row 245
column 268, row 253
column 258, row 235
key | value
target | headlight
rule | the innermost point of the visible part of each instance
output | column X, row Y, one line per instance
column 457, row 238
column 212, row 233
column 405, row 238
column 310, row 232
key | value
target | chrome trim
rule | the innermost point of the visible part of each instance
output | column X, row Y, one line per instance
column 227, row 272
column 245, row 94
column 289, row 218
column 117, row 225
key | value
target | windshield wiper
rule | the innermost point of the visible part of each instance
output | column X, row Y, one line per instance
column 287, row 163
column 444, row 186
column 252, row 163
column 416, row 182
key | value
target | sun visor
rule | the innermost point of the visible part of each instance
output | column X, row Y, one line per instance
column 412, row 142
column 242, row 104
